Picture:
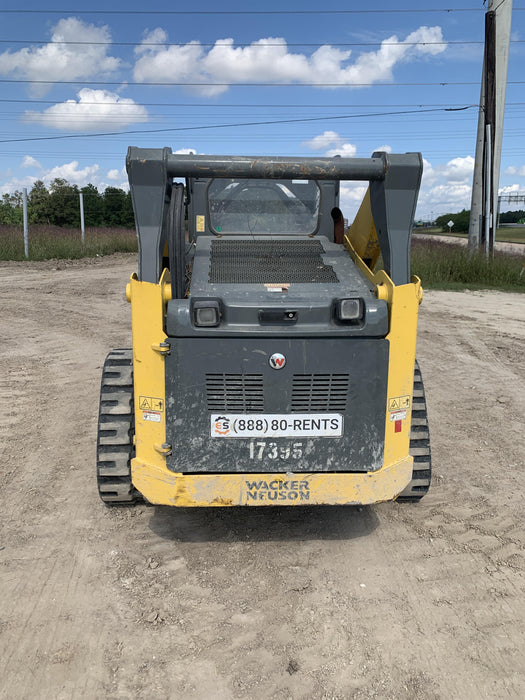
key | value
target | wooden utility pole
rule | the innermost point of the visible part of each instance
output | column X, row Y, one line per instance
column 485, row 184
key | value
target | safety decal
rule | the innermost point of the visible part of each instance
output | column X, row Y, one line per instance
column 398, row 415
column 152, row 416
column 151, row 403
column 399, row 403
column 200, row 223
column 272, row 287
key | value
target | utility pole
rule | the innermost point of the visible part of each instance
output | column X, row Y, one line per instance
column 26, row 228
column 82, row 227
column 485, row 183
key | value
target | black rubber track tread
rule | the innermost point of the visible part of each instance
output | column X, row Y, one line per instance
column 419, row 445
column 116, row 423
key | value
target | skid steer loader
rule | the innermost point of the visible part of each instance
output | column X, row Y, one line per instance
column 273, row 363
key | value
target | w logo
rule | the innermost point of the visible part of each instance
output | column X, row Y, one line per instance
column 277, row 361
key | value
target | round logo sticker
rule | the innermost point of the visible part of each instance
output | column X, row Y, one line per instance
column 277, row 361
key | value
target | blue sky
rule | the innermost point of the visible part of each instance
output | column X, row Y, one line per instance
column 365, row 81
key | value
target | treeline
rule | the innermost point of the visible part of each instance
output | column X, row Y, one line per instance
column 60, row 206
column 511, row 217
column 461, row 219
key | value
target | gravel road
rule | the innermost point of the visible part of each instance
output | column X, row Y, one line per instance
column 389, row 601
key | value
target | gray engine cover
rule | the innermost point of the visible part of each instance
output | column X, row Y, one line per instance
column 347, row 376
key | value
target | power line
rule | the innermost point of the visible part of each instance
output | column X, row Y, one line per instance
column 243, row 44
column 293, row 105
column 234, row 84
column 225, row 126
column 246, row 12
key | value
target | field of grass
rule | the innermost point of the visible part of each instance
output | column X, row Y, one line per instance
column 442, row 265
column 507, row 234
column 49, row 242
column 511, row 234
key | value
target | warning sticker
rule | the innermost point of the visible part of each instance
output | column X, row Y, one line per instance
column 399, row 403
column 398, row 415
column 272, row 287
column 153, row 416
column 151, row 403
column 200, row 223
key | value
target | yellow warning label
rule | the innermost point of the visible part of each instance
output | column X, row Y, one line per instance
column 399, row 403
column 200, row 223
column 150, row 403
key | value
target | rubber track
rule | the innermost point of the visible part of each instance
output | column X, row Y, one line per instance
column 115, row 429
column 419, row 445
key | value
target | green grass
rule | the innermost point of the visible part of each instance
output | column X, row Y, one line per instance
column 442, row 265
column 505, row 234
column 511, row 234
column 54, row 242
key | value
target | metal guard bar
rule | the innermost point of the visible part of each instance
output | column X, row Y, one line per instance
column 394, row 185
column 280, row 168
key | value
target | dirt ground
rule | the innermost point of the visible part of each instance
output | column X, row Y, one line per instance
column 390, row 601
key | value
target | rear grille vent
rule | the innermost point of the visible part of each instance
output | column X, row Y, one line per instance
column 316, row 393
column 269, row 262
column 235, row 393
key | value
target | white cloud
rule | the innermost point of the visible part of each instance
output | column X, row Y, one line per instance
column 347, row 150
column 457, row 171
column 510, row 189
column 513, row 170
column 445, row 187
column 155, row 36
column 186, row 151
column 17, row 184
column 116, row 178
column 444, row 197
column 95, row 109
column 114, row 174
column 331, row 138
column 169, row 63
column 226, row 64
column 322, row 141
column 73, row 174
column 55, row 61
column 350, row 197
column 30, row 162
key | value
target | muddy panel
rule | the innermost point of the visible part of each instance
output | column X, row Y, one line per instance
column 254, row 405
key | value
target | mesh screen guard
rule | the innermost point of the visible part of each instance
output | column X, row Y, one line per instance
column 269, row 262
